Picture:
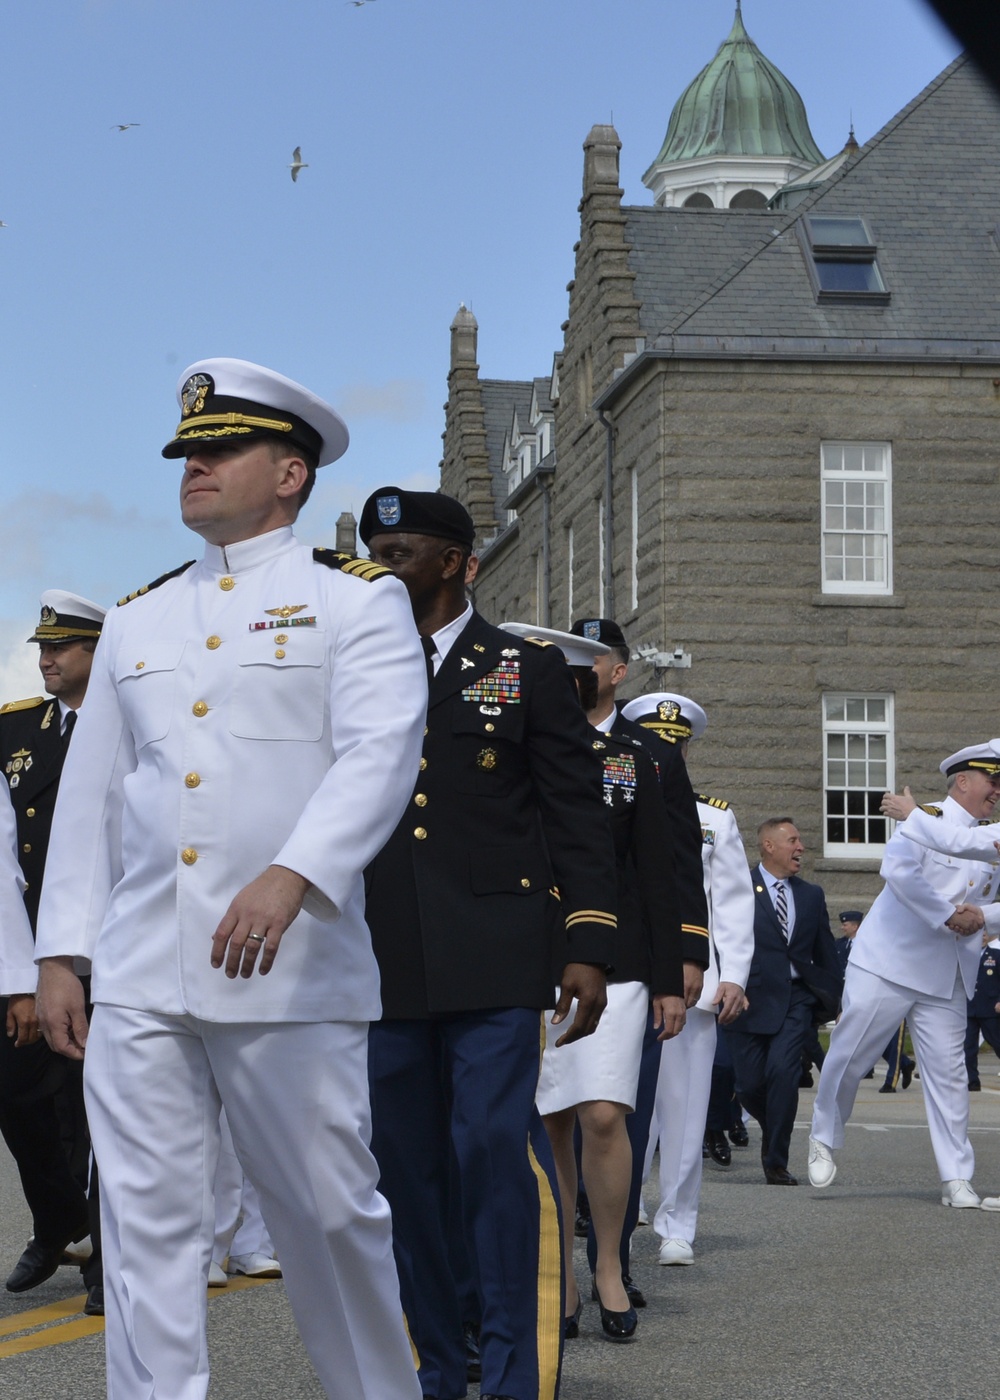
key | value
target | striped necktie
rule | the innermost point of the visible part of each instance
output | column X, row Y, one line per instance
column 781, row 907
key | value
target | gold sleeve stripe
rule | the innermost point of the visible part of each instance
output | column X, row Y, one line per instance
column 694, row 928
column 591, row 916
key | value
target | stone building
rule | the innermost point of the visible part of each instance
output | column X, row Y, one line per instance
column 768, row 446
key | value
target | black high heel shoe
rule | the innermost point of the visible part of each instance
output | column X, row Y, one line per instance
column 571, row 1324
column 617, row 1326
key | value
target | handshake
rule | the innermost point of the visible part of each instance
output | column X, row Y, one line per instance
column 967, row 919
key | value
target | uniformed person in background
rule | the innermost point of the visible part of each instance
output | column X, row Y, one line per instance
column 250, row 738
column 983, row 1012
column 42, row 1115
column 463, row 909
column 685, row 1077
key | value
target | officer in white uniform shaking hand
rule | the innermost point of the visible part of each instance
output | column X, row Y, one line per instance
column 250, row 739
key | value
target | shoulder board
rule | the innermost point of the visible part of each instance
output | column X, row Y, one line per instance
column 536, row 642
column 931, row 811
column 130, row 597
column 347, row 564
column 719, row 802
column 13, row 705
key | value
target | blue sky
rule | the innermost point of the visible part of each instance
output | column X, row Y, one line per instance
column 443, row 139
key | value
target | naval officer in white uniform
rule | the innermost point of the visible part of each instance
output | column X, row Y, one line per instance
column 684, row 1081
column 916, row 956
column 250, row 739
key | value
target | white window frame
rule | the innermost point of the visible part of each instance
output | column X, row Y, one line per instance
column 856, row 526
column 858, row 758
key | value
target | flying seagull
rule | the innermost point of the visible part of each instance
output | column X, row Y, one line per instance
column 124, row 126
column 297, row 163
column 3, row 225
column 358, row 3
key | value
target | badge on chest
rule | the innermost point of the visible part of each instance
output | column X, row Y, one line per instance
column 501, row 686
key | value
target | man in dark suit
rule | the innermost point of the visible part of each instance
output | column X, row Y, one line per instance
column 983, row 1018
column 464, row 914
column 795, row 982
column 42, row 1117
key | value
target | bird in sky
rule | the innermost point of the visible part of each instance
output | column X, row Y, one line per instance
column 3, row 225
column 297, row 163
column 124, row 126
column 358, row 3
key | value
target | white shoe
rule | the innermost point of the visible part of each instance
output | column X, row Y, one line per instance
column 643, row 1217
column 216, row 1275
column 254, row 1265
column 676, row 1252
column 960, row 1194
column 822, row 1167
column 990, row 1203
column 79, row 1252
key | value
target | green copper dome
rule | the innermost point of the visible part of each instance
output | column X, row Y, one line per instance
column 739, row 105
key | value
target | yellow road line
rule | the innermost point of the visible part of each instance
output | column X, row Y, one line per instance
column 33, row 1322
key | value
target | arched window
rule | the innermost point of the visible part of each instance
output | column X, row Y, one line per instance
column 748, row 199
column 698, row 201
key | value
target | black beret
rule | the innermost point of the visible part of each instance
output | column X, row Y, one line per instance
column 390, row 509
column 600, row 629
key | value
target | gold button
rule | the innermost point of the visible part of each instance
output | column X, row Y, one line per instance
column 30, row 812
column 525, row 884
column 281, row 639
column 423, row 765
column 227, row 583
column 426, row 731
column 213, row 642
column 489, row 729
column 192, row 780
column 189, row 855
column 280, row 653
column 420, row 833
column 421, row 799
column 138, row 666
column 26, row 848
column 199, row 708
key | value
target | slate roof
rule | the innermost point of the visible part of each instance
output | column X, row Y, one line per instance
column 500, row 399
column 928, row 186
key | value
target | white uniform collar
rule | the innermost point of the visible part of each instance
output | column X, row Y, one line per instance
column 247, row 554
column 958, row 813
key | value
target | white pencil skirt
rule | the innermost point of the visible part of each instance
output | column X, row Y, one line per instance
column 603, row 1066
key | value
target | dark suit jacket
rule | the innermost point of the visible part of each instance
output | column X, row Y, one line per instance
column 811, row 952
column 32, row 754
column 684, row 827
column 507, row 807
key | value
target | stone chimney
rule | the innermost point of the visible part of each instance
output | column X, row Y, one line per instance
column 347, row 528
column 465, row 467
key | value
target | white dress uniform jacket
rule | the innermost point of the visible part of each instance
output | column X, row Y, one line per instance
column 729, row 892
column 903, row 938
column 260, row 708
column 17, row 949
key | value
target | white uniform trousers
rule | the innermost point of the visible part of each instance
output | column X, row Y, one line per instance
column 239, row 1224
column 873, row 1009
column 683, row 1086
column 296, row 1097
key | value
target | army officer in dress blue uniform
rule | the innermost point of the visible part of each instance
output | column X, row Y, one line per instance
column 464, row 912
column 249, row 740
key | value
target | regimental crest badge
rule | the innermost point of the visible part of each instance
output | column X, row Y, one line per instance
column 486, row 759
column 48, row 618
column 196, row 390
column 667, row 711
column 592, row 631
column 388, row 509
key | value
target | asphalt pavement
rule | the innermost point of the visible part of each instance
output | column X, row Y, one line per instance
column 868, row 1289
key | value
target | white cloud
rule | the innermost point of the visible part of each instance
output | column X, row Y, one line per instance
column 19, row 676
column 399, row 400
column 31, row 519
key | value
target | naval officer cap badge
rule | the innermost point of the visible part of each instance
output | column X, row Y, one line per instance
column 234, row 402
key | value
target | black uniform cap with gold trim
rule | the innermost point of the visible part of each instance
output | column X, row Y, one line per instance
column 977, row 758
column 235, row 402
column 66, row 617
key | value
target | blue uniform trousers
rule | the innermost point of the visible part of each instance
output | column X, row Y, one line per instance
column 990, row 1028
column 465, row 1084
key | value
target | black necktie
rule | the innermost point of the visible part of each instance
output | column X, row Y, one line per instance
column 68, row 731
column 429, row 649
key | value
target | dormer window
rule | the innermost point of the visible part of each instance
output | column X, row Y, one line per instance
column 842, row 256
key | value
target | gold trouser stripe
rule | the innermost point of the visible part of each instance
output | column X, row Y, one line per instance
column 899, row 1052
column 413, row 1348
column 549, row 1326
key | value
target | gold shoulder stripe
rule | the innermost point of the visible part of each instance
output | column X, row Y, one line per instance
column 931, row 811
column 130, row 597
column 347, row 564
column 719, row 802
column 13, row 705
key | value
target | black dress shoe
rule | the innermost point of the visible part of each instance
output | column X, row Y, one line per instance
column 94, row 1306
column 581, row 1224
column 779, row 1176
column 473, row 1361
column 718, row 1148
column 571, row 1324
column 805, row 1080
column 491, row 1396
column 635, row 1294
column 617, row 1326
column 38, row 1262
column 739, row 1136
column 908, row 1075
column 975, row 1088
column 870, row 1074
column 887, row 1089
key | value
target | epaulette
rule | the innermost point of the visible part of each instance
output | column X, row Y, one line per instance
column 537, row 642
column 347, row 564
column 931, row 811
column 13, row 705
column 719, row 802
column 130, row 597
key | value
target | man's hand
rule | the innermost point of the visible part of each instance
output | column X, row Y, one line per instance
column 22, row 1019
column 59, row 1003
column 256, row 920
column 589, row 986
column 671, row 1014
column 967, row 918
column 694, row 980
column 897, row 806
column 731, row 1001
